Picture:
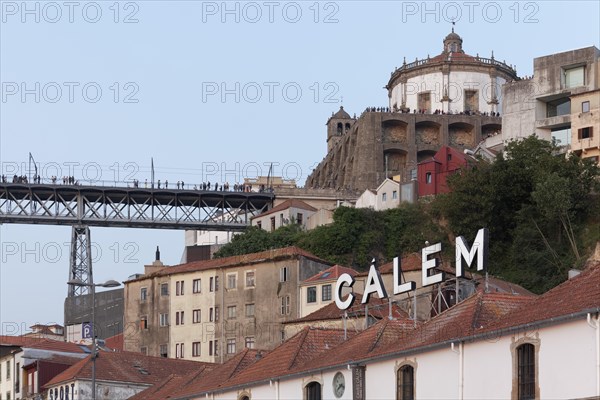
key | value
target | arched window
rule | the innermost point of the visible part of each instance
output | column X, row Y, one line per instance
column 405, row 383
column 313, row 391
column 340, row 128
column 526, row 371
column 244, row 398
column 347, row 127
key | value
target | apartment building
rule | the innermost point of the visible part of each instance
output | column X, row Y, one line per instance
column 210, row 310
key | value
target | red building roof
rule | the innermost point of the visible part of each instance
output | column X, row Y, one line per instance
column 331, row 274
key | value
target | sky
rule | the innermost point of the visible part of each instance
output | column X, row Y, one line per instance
column 211, row 91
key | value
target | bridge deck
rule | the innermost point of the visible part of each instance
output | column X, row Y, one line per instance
column 129, row 207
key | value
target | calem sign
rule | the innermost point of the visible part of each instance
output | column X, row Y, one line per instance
column 374, row 282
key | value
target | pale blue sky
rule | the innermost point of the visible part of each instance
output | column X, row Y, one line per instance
column 170, row 63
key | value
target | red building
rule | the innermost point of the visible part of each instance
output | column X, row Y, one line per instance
column 433, row 173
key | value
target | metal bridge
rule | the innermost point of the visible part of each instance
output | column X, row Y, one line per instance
column 85, row 206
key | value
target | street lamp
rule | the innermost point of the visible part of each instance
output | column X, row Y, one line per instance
column 108, row 284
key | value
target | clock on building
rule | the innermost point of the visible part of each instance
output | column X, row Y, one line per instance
column 339, row 385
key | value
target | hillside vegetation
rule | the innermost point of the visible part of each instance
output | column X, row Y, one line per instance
column 541, row 210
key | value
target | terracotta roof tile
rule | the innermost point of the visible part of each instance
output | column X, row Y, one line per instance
column 6, row 340
column 55, row 345
column 332, row 273
column 289, row 203
column 234, row 261
column 166, row 388
column 378, row 309
column 115, row 342
column 128, row 367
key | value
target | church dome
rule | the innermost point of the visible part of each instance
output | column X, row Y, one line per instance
column 453, row 36
column 341, row 114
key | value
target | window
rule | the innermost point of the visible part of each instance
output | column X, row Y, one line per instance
column 313, row 391
column 249, row 279
column 163, row 350
column 311, row 294
column 164, row 319
column 585, row 106
column 230, row 346
column 585, row 133
column 285, row 305
column 216, row 314
column 179, row 318
column 326, row 293
column 272, row 224
column 558, row 107
column 526, row 371
column 8, row 370
column 164, row 289
column 428, row 177
column 250, row 310
column 231, row 281
column 211, row 317
column 196, row 349
column 144, row 350
column 213, row 348
column 283, row 274
column 179, row 288
column 196, row 286
column 17, row 381
column 196, row 316
column 574, row 77
column 405, row 383
column 281, row 221
column 259, row 224
column 471, row 100
column 383, row 196
column 231, row 312
column 179, row 353
column 249, row 342
column 144, row 322
column 216, row 283
column 561, row 136
column 211, row 284
column 424, row 102
column 299, row 218
column 395, row 195
column 143, row 294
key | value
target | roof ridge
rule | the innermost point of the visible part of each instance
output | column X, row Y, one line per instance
column 303, row 335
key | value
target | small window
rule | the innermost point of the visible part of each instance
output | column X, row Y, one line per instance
column 144, row 322
column 326, row 293
column 8, row 370
column 250, row 310
column 179, row 353
column 230, row 346
column 197, row 286
column 428, row 177
column 313, row 391
column 164, row 289
column 211, row 315
column 211, row 284
column 395, row 195
column 144, row 350
column 585, row 106
column 143, row 294
column 272, row 224
column 196, row 349
column 179, row 288
column 196, row 316
column 383, row 196
column 283, row 274
column 249, row 279
column 259, row 224
column 216, row 314
column 249, row 342
column 179, row 318
column 231, row 281
column 164, row 319
column 585, row 133
column 164, row 350
column 311, row 294
column 299, row 218
column 231, row 312
column 285, row 305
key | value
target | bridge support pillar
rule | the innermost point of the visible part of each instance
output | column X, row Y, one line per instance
column 80, row 266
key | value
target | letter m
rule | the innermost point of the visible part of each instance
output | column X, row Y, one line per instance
column 463, row 252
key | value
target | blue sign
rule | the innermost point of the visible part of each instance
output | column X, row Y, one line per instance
column 86, row 330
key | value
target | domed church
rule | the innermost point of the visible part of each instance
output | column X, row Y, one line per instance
column 451, row 99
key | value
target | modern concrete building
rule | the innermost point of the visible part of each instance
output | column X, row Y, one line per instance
column 560, row 101
column 210, row 310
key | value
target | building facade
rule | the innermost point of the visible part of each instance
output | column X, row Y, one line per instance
column 210, row 310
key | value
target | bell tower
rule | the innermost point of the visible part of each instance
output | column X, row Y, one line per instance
column 338, row 125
